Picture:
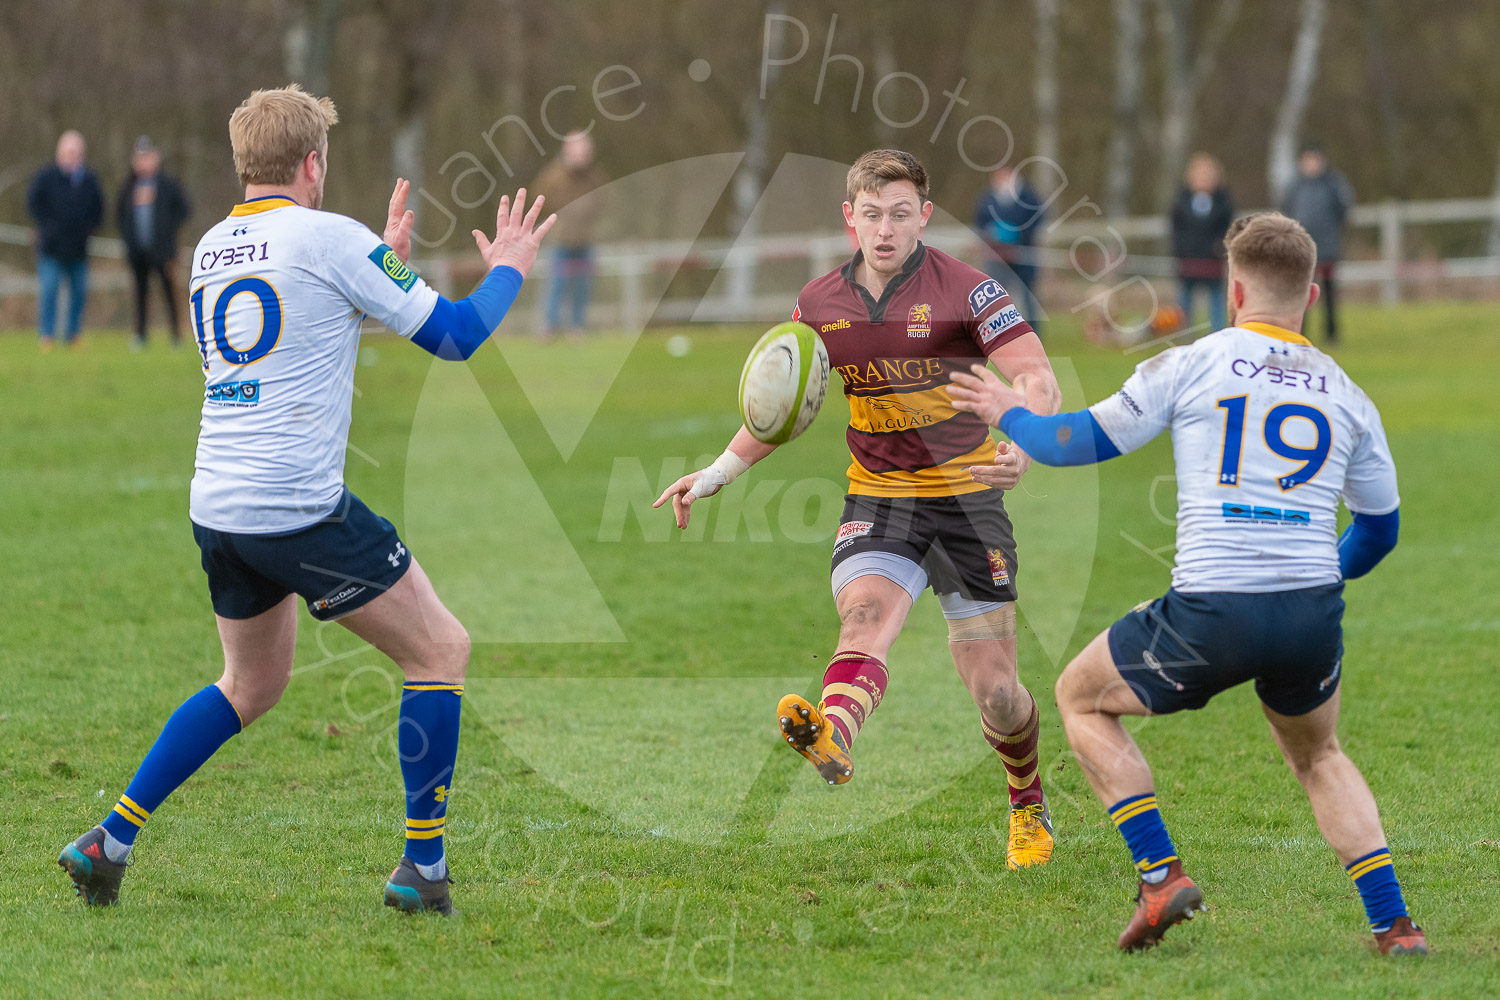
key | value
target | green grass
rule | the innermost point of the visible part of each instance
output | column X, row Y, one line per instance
column 624, row 820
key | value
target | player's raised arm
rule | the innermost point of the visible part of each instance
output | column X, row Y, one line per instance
column 454, row 330
column 743, row 451
column 1053, row 439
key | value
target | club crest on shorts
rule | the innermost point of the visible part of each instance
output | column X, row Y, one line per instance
column 999, row 572
column 919, row 320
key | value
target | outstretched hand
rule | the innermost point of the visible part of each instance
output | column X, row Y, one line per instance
column 399, row 220
column 517, row 235
column 693, row 486
column 985, row 395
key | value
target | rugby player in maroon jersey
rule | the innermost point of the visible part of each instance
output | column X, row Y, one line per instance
column 926, row 482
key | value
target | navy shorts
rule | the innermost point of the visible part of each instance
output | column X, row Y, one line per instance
column 965, row 543
column 339, row 564
column 1182, row 649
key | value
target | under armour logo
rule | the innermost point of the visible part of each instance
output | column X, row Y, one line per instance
column 440, row 793
column 395, row 557
column 241, row 231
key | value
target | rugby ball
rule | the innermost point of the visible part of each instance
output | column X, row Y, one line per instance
column 784, row 382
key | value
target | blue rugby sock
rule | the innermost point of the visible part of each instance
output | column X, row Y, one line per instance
column 1375, row 878
column 1139, row 822
column 427, row 740
column 195, row 731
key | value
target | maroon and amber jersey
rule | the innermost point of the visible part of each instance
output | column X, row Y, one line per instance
column 895, row 355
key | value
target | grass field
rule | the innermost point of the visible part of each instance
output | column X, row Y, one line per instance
column 625, row 823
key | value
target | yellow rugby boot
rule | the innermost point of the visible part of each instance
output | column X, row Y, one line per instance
column 809, row 732
column 1030, row 835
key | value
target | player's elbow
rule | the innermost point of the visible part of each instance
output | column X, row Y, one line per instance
column 1368, row 540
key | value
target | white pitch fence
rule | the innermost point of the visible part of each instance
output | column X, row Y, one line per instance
column 1385, row 248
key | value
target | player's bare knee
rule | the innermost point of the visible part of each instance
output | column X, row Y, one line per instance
column 444, row 658
column 1001, row 699
column 860, row 620
column 254, row 696
column 1067, row 689
column 861, row 613
column 458, row 651
column 1306, row 759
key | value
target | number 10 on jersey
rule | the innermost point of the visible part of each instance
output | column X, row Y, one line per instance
column 270, row 321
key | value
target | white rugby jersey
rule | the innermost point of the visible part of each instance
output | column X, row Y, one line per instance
column 278, row 292
column 1268, row 433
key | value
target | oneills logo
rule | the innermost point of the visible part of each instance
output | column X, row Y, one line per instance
column 842, row 324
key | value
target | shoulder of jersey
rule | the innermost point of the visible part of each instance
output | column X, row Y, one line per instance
column 950, row 264
column 810, row 299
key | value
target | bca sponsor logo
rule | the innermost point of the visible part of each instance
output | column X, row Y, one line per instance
column 999, row 323
column 853, row 529
column 985, row 294
column 245, row 393
column 919, row 320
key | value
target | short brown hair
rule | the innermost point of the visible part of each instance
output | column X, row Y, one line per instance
column 274, row 129
column 1274, row 250
column 879, row 167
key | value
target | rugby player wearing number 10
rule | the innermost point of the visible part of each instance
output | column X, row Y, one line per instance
column 1268, row 433
column 926, row 483
column 279, row 290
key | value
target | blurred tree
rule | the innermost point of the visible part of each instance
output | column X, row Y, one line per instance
column 1045, row 91
column 1281, row 161
column 1120, row 177
column 1189, row 66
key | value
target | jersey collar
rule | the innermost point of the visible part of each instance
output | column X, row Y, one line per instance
column 876, row 308
column 1266, row 329
column 262, row 204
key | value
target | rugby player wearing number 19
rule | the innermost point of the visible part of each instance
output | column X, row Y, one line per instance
column 279, row 291
column 925, row 504
column 1268, row 433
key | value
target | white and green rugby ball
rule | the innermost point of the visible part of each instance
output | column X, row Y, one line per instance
column 784, row 382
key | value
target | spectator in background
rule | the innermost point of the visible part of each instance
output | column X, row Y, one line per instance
column 566, row 179
column 150, row 210
column 1007, row 216
column 65, row 200
column 1320, row 199
column 1201, row 214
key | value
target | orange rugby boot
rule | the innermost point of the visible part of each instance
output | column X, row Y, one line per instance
column 809, row 732
column 1157, row 907
column 1402, row 938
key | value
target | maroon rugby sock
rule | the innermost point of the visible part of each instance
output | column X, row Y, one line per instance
column 853, row 685
column 1018, row 752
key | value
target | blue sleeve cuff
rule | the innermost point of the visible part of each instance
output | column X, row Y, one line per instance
column 1061, row 439
column 454, row 330
column 1367, row 540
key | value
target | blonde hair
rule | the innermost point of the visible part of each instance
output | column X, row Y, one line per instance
column 273, row 130
column 877, row 168
column 1275, row 251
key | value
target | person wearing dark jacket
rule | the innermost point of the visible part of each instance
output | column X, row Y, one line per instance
column 150, row 210
column 1007, row 216
column 1201, row 214
column 1320, row 198
column 65, row 200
